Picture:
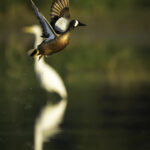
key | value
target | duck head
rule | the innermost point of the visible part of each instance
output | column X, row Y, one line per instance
column 75, row 23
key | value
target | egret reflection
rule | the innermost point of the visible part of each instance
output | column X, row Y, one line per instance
column 51, row 116
column 47, row 125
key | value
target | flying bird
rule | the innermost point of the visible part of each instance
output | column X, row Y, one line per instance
column 56, row 33
column 48, row 77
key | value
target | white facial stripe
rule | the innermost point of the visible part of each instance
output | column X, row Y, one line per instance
column 62, row 24
column 76, row 23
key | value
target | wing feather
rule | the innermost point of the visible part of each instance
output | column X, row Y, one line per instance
column 60, row 4
column 61, row 9
column 63, row 4
column 56, row 9
column 48, row 31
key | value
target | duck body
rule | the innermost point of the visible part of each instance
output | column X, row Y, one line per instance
column 54, row 46
column 56, row 33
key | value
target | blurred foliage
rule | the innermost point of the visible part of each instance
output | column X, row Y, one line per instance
column 113, row 48
column 89, row 4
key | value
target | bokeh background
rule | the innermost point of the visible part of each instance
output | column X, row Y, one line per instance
column 106, row 69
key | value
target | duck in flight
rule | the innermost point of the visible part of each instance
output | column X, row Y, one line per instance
column 56, row 33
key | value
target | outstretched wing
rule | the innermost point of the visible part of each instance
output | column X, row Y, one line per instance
column 48, row 31
column 60, row 8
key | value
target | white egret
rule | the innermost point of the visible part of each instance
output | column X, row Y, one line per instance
column 48, row 77
column 47, row 124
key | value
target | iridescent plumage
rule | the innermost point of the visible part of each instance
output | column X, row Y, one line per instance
column 56, row 33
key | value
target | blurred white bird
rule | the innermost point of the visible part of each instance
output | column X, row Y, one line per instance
column 48, row 77
column 47, row 124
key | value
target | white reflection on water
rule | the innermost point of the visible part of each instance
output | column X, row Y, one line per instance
column 47, row 125
column 51, row 116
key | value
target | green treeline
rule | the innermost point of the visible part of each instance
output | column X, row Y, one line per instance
column 88, row 4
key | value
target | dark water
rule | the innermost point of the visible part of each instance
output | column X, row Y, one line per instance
column 97, row 117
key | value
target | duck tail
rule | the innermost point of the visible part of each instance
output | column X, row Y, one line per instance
column 33, row 53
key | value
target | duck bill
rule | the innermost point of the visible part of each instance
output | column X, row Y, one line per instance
column 82, row 24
